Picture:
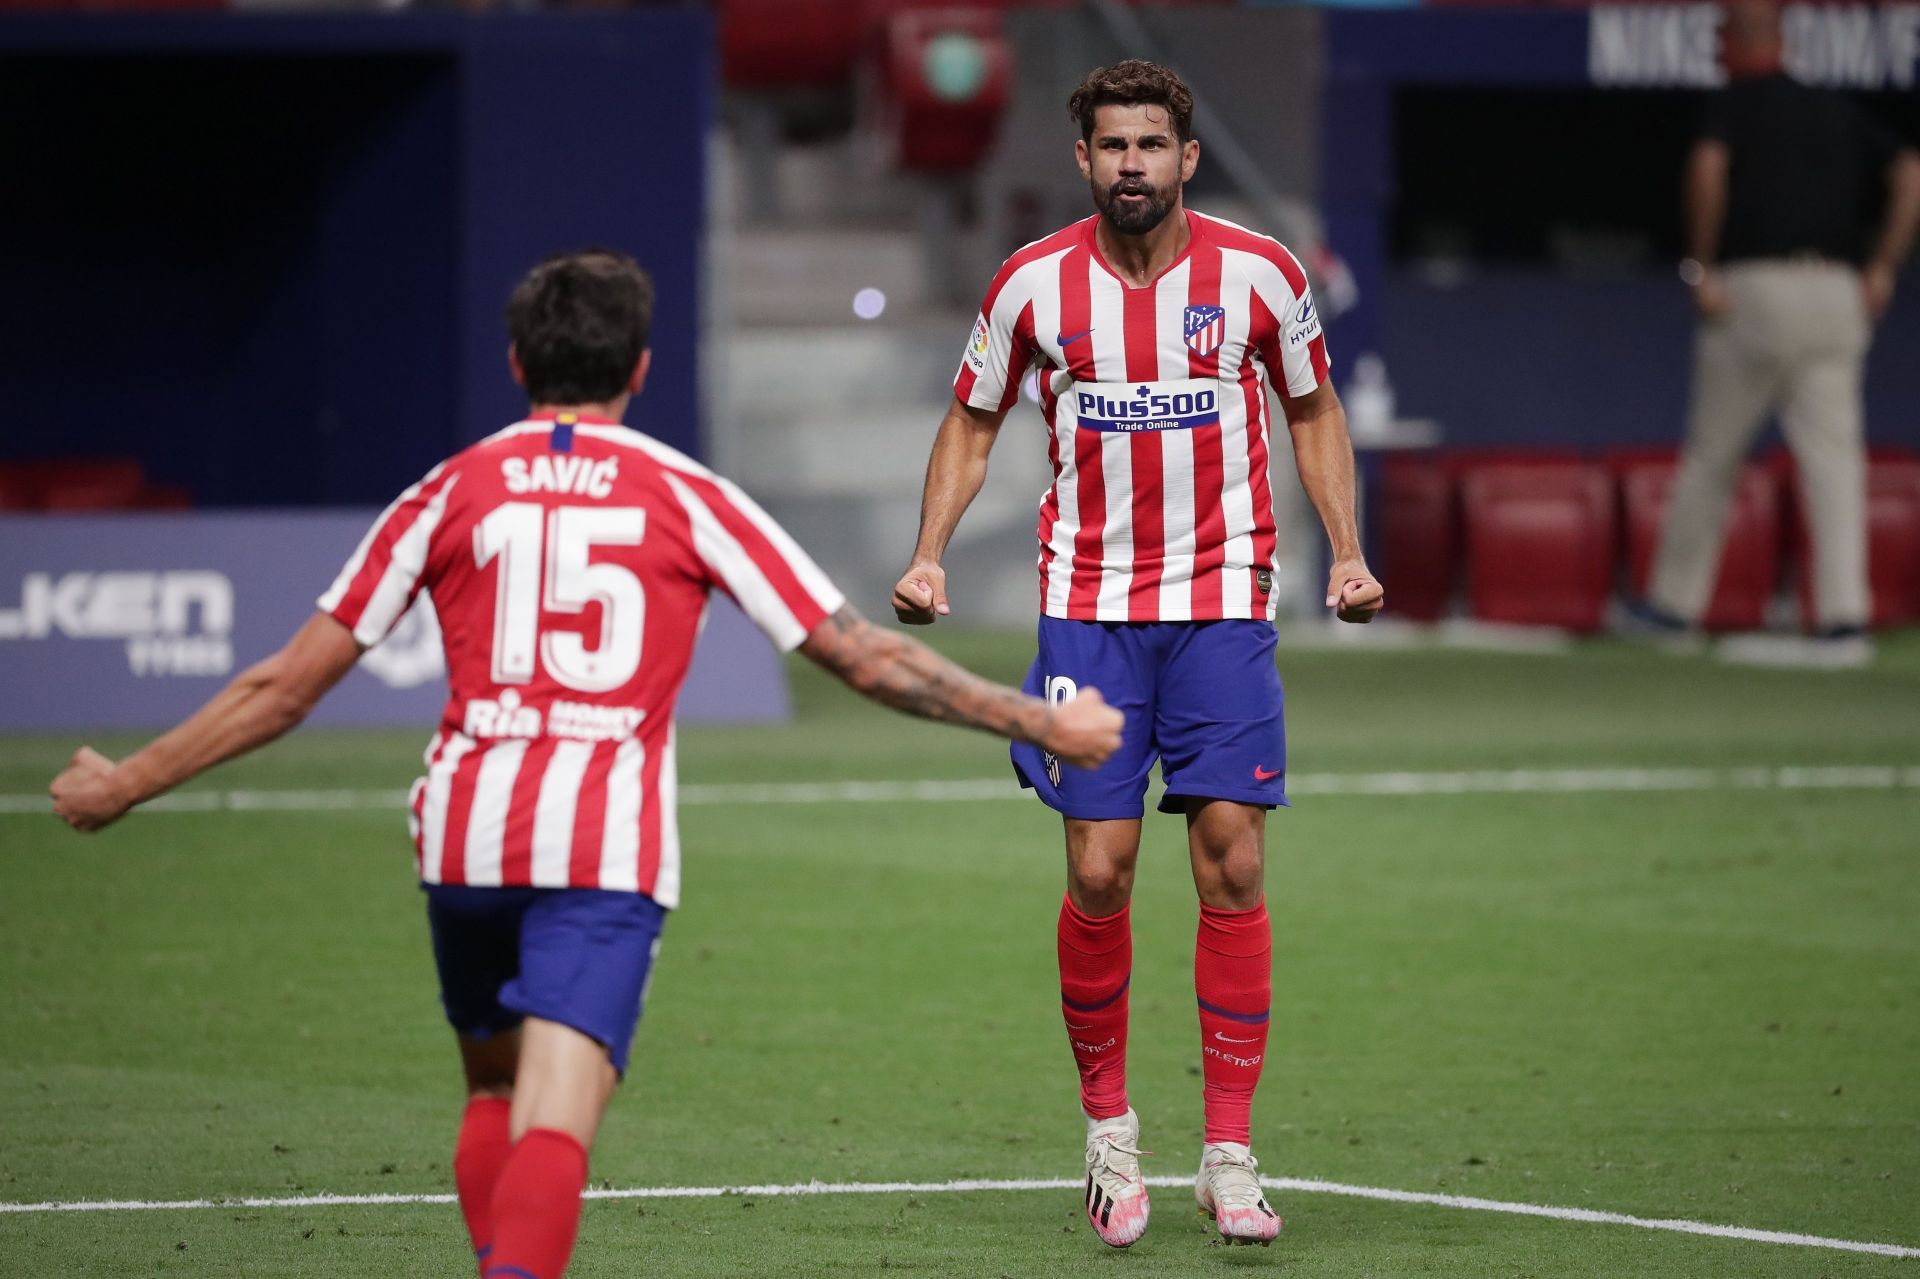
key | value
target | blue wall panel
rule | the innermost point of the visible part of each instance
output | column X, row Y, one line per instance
column 268, row 255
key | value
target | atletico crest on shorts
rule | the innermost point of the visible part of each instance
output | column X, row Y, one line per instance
column 1206, row 328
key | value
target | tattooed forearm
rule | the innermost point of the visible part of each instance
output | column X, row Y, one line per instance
column 906, row 675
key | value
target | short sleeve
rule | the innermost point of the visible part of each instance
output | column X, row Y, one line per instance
column 998, row 350
column 1286, row 325
column 385, row 573
column 748, row 555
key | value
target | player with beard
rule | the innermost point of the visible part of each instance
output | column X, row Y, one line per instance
column 1155, row 331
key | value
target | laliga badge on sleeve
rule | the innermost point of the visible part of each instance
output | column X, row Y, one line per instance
column 977, row 349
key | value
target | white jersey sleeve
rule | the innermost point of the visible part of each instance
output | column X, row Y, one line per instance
column 380, row 581
column 749, row 556
column 1001, row 345
column 1287, row 333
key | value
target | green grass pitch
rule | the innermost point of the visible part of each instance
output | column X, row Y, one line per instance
column 1700, row 1004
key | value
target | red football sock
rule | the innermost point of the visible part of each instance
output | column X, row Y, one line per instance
column 477, row 1159
column 1233, row 976
column 1096, row 964
column 536, row 1207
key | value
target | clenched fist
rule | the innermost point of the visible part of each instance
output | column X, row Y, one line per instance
column 1084, row 731
column 920, row 595
column 1352, row 592
column 85, row 796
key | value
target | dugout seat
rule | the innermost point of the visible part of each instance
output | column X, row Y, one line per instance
column 105, row 484
column 1749, row 558
column 1418, row 524
column 1893, row 538
column 111, row 485
column 14, row 494
column 1460, row 462
column 1540, row 542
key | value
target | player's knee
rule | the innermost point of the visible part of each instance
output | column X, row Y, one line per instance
column 1100, row 887
column 1241, row 884
column 490, row 1064
column 1231, row 875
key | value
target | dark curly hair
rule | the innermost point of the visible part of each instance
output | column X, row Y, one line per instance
column 1131, row 83
column 578, row 323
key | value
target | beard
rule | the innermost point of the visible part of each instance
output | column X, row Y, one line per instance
column 1133, row 217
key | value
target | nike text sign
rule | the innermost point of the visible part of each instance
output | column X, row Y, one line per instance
column 131, row 621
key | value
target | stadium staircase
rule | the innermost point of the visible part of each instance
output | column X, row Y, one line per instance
column 826, row 417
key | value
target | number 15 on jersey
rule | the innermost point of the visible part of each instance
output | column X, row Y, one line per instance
column 545, row 563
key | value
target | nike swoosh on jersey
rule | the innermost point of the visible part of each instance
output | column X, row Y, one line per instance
column 1069, row 339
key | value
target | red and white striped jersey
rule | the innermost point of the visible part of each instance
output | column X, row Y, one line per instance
column 569, row 561
column 1156, row 403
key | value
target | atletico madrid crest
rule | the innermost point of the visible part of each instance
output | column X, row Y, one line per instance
column 1206, row 328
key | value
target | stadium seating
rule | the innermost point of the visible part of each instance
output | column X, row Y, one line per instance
column 811, row 44
column 1893, row 536
column 1750, row 559
column 104, row 484
column 1540, row 542
column 1893, row 540
column 1418, row 527
column 946, row 75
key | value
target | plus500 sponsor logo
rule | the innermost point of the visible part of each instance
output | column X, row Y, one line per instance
column 1147, row 406
column 173, row 623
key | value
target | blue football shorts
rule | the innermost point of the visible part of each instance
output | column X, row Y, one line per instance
column 577, row 956
column 1203, row 698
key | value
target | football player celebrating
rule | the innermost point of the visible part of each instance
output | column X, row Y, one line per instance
column 570, row 560
column 1155, row 331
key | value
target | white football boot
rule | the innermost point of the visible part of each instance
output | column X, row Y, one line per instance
column 1228, row 1189
column 1116, row 1193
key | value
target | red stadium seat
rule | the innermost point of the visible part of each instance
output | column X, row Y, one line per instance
column 1418, row 530
column 103, row 485
column 1893, row 540
column 1540, row 543
column 1749, row 560
column 783, row 44
column 802, row 44
column 939, row 128
column 1460, row 462
column 15, row 493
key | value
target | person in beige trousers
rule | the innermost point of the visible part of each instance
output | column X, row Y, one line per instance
column 1779, row 190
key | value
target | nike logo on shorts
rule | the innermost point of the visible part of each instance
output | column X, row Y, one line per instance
column 1262, row 775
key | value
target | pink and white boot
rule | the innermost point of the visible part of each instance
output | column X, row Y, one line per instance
column 1116, row 1193
column 1228, row 1190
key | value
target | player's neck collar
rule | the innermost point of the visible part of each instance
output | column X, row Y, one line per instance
column 1093, row 245
column 570, row 417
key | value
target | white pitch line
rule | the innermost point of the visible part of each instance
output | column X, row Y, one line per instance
column 801, row 1189
column 1517, row 781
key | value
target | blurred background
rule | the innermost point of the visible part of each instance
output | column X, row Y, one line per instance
column 253, row 259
